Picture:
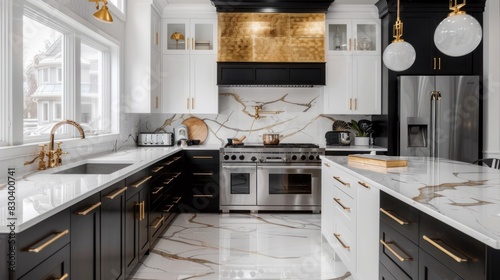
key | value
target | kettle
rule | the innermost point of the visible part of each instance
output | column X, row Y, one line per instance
column 181, row 133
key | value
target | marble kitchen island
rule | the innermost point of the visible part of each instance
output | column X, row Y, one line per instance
column 461, row 197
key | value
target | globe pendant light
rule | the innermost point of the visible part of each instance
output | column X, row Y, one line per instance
column 459, row 33
column 399, row 55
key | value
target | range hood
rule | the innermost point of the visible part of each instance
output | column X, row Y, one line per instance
column 272, row 6
column 273, row 48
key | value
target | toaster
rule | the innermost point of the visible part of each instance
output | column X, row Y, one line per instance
column 156, row 139
column 338, row 138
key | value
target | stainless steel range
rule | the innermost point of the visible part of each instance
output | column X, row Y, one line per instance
column 271, row 177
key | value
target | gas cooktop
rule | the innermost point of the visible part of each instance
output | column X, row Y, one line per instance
column 281, row 145
column 283, row 152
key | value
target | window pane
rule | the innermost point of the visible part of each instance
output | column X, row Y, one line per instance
column 91, row 106
column 42, row 86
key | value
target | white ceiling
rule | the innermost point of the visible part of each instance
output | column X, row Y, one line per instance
column 336, row 1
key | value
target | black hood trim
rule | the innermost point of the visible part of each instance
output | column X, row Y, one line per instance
column 272, row 6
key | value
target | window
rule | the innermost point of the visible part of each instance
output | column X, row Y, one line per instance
column 57, row 111
column 45, row 113
column 59, row 75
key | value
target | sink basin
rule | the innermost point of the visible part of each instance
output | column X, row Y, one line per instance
column 94, row 168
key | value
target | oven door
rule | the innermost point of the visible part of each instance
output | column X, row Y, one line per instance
column 288, row 184
column 238, row 184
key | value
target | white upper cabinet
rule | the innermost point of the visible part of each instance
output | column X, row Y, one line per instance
column 353, row 67
column 195, row 36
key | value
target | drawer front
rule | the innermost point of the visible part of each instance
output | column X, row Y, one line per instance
column 456, row 250
column 430, row 269
column 397, row 252
column 344, row 208
column 384, row 274
column 55, row 267
column 42, row 240
column 399, row 215
column 344, row 181
column 202, row 157
column 344, row 244
column 138, row 181
column 115, row 190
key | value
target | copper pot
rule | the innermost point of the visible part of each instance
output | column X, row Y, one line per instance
column 271, row 138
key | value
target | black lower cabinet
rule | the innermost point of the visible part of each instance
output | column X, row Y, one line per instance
column 384, row 274
column 56, row 266
column 86, row 239
column 113, row 232
column 432, row 269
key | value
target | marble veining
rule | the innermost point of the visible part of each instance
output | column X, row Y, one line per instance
column 462, row 195
column 243, row 246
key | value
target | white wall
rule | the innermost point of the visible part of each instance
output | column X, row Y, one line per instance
column 491, row 42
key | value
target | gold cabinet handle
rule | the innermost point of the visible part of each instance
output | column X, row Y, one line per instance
column 192, row 103
column 434, row 64
column 116, row 193
column 341, row 242
column 350, row 103
column 203, row 195
column 177, row 199
column 439, row 63
column 444, row 250
column 187, row 103
column 349, row 43
column 142, row 210
column 64, row 277
column 156, row 102
column 88, row 210
column 168, row 162
column 203, row 157
column 364, row 184
column 355, row 104
column 342, row 205
column 156, row 38
column 141, row 182
column 155, row 170
column 355, row 45
column 326, row 164
column 188, row 45
column 400, row 258
column 193, row 44
column 390, row 215
column 157, row 190
column 168, row 181
column 50, row 241
column 158, row 223
column 169, row 208
column 342, row 182
column 204, row 174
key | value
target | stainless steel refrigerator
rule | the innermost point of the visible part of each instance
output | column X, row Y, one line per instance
column 439, row 117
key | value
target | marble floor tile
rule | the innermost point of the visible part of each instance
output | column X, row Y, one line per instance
column 243, row 246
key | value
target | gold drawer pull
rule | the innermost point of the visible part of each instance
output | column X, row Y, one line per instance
column 340, row 181
column 169, row 208
column 203, row 157
column 400, row 258
column 203, row 174
column 142, row 212
column 140, row 183
column 203, row 195
column 64, row 277
column 168, row 162
column 155, row 170
column 178, row 199
column 50, row 241
column 341, row 242
column 88, row 210
column 390, row 215
column 364, row 184
column 116, row 193
column 157, row 190
column 342, row 205
column 158, row 223
column 168, row 181
column 326, row 164
column 444, row 250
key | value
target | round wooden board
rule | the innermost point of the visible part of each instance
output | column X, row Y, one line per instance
column 197, row 129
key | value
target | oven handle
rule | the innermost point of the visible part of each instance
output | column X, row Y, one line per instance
column 238, row 166
column 289, row 167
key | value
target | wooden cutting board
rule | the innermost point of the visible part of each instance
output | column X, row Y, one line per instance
column 197, row 129
column 384, row 161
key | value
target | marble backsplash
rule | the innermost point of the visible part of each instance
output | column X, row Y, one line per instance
column 294, row 113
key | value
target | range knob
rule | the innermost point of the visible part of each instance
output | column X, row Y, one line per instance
column 294, row 157
column 303, row 157
column 311, row 157
column 242, row 157
column 226, row 157
column 317, row 157
column 233, row 157
column 253, row 159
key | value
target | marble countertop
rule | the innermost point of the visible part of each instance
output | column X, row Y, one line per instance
column 43, row 194
column 354, row 148
column 462, row 195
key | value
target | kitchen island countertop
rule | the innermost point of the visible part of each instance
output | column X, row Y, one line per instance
column 462, row 195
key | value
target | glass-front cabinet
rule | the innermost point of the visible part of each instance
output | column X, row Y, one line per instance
column 190, row 36
column 353, row 35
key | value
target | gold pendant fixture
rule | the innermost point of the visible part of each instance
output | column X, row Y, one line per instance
column 102, row 14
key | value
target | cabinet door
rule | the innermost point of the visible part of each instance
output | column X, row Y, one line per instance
column 155, row 81
column 54, row 267
column 366, row 85
column 366, row 36
column 132, row 216
column 112, row 232
column 417, row 32
column 204, row 95
column 175, row 36
column 432, row 269
column 339, row 85
column 155, row 30
column 339, row 35
column 85, row 239
column 175, row 84
column 203, row 36
column 327, row 202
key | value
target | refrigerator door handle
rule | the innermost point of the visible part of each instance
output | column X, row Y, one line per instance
column 435, row 98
